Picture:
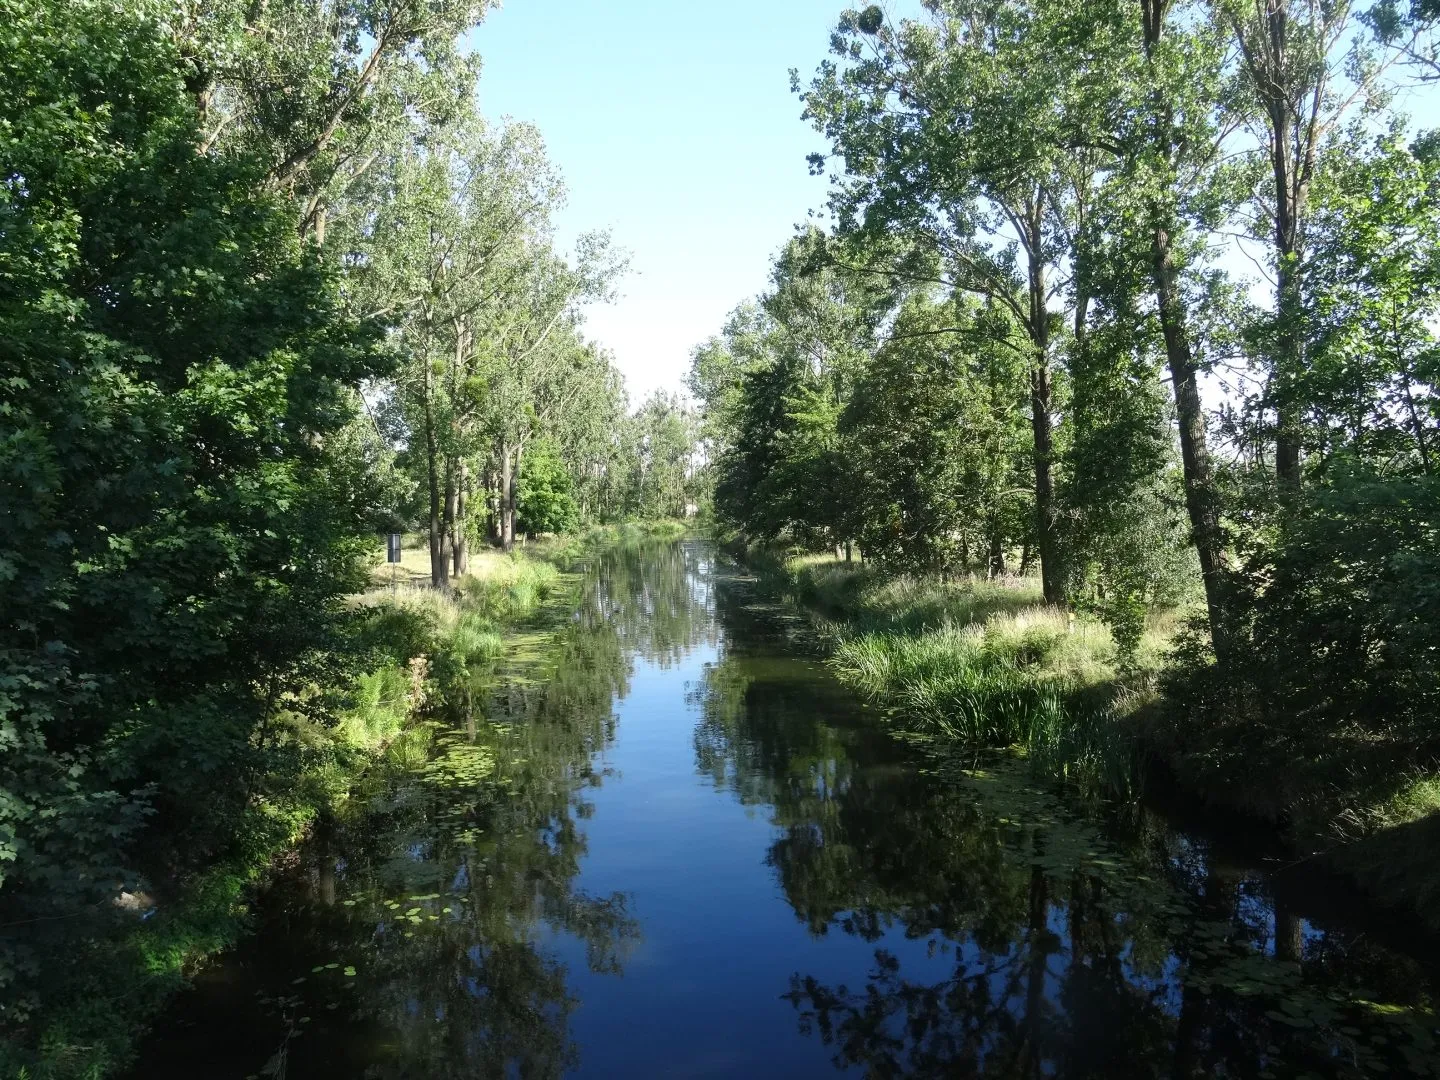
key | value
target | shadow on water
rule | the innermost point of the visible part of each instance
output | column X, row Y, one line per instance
column 1019, row 934
column 940, row 917
column 406, row 941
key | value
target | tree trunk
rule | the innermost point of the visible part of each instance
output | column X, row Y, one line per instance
column 460, row 536
column 509, row 492
column 1202, row 500
column 447, row 525
column 507, row 520
column 1052, row 572
column 997, row 554
column 1288, row 302
column 1417, row 427
column 1052, row 576
column 512, row 494
column 1281, row 85
column 1286, row 366
column 492, row 504
column 439, row 570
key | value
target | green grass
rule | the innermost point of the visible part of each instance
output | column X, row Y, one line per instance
column 983, row 663
column 1418, row 797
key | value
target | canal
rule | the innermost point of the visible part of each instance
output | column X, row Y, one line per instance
column 665, row 843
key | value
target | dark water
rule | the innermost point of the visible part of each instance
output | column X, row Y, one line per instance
column 669, row 845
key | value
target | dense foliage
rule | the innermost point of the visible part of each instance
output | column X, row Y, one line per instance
column 185, row 506
column 1033, row 337
column 261, row 268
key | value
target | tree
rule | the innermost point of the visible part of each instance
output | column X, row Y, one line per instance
column 938, row 434
column 319, row 91
column 1306, row 66
column 1373, row 276
column 459, row 256
column 944, row 130
column 774, row 387
column 1154, row 97
column 185, row 521
column 665, row 438
column 545, row 503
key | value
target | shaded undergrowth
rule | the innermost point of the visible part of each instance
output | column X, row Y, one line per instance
column 418, row 656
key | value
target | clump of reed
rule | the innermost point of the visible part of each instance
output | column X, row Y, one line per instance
column 510, row 589
column 984, row 663
column 1029, row 680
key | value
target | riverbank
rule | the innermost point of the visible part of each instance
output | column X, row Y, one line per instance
column 983, row 663
column 415, row 654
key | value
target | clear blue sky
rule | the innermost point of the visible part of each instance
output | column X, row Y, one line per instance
column 675, row 128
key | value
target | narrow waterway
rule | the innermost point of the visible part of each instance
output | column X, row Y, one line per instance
column 667, row 844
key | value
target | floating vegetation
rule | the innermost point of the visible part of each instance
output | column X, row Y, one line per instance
column 1309, row 1010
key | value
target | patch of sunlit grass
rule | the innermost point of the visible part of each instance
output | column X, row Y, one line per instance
column 984, row 662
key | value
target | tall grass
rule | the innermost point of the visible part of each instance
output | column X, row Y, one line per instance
column 874, row 602
column 381, row 703
column 435, row 641
column 984, row 663
column 510, row 589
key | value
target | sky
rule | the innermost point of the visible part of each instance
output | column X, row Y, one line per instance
column 675, row 128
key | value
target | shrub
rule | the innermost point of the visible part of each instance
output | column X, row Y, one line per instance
column 1330, row 693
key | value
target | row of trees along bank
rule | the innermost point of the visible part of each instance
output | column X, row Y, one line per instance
column 450, row 238
column 267, row 278
column 1146, row 293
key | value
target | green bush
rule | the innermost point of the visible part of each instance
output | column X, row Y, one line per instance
column 546, row 501
column 1330, row 694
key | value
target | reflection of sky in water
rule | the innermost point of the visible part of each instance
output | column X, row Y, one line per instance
column 700, row 995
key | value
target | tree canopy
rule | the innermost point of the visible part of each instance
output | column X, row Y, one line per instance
column 1041, row 345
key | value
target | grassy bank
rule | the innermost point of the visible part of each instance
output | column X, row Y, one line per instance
column 420, row 655
column 486, row 563
column 983, row 663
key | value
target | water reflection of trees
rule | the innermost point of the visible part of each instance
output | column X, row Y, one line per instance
column 657, row 597
column 1075, row 947
column 460, row 875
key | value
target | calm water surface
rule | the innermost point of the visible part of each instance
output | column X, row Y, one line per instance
column 667, row 844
